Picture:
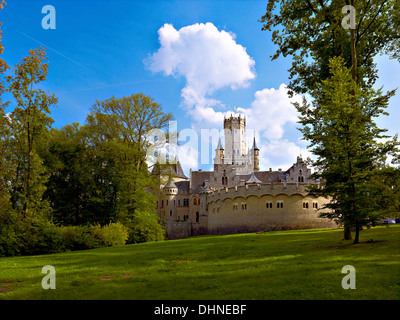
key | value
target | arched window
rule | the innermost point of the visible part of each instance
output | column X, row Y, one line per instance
column 170, row 213
column 301, row 179
column 195, row 201
column 197, row 216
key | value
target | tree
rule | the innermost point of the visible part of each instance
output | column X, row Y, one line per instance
column 343, row 135
column 123, row 126
column 27, row 122
column 5, row 164
column 311, row 32
column 81, row 187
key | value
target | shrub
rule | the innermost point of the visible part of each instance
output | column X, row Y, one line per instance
column 145, row 227
column 29, row 236
column 110, row 235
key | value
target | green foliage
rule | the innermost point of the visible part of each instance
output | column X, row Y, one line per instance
column 341, row 129
column 28, row 122
column 145, row 227
column 82, row 187
column 112, row 234
column 20, row 235
column 311, row 32
column 90, row 237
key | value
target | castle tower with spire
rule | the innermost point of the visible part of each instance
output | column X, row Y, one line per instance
column 255, row 152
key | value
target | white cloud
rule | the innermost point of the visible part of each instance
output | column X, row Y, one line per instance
column 280, row 153
column 270, row 111
column 209, row 60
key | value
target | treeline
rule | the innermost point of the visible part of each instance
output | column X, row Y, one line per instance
column 78, row 187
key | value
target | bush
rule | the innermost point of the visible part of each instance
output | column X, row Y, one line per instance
column 9, row 234
column 90, row 237
column 145, row 227
column 112, row 234
column 30, row 236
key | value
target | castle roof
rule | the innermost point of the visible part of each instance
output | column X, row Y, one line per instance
column 219, row 146
column 174, row 169
column 253, row 179
column 170, row 184
column 255, row 145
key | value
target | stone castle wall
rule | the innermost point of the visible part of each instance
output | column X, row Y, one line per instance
column 255, row 208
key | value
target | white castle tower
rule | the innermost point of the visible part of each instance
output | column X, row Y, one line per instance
column 235, row 140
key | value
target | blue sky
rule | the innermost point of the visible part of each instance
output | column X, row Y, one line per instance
column 198, row 59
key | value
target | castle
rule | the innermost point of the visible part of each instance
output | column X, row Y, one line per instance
column 236, row 196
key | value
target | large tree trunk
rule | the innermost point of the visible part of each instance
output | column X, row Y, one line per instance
column 347, row 233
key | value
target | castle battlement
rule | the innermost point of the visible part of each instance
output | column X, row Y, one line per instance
column 272, row 189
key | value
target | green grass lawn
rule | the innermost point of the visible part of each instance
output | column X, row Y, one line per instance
column 302, row 264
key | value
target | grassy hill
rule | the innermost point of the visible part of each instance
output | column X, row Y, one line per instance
column 303, row 264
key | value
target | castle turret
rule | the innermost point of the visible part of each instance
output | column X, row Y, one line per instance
column 219, row 154
column 256, row 156
column 170, row 191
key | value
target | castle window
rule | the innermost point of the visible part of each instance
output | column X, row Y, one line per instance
column 268, row 205
column 279, row 204
column 197, row 216
column 301, row 179
column 235, row 206
column 315, row 205
column 195, row 201
column 170, row 213
column 167, row 202
column 305, row 205
column 179, row 203
column 244, row 206
column 162, row 203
